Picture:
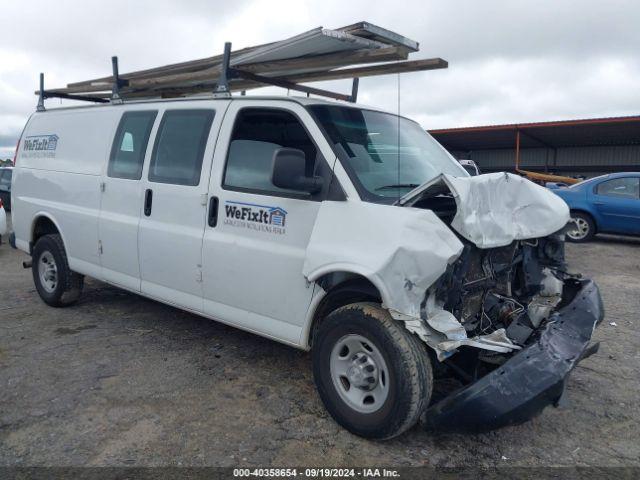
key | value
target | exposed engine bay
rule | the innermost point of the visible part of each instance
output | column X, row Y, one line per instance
column 500, row 296
column 511, row 290
column 514, row 287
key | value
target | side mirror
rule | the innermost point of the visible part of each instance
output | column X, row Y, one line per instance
column 288, row 171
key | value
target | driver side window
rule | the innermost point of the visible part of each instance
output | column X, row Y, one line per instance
column 257, row 134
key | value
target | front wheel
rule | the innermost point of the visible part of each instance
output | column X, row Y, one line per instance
column 373, row 376
column 57, row 285
column 584, row 228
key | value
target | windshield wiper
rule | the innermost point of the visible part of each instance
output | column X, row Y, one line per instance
column 398, row 185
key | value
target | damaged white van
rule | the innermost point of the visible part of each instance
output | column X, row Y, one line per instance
column 330, row 227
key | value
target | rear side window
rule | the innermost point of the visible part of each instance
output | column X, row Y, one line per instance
column 626, row 187
column 257, row 134
column 179, row 147
column 130, row 145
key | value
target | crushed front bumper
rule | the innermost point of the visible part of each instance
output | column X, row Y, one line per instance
column 532, row 379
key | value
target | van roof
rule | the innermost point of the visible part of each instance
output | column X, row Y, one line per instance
column 304, row 101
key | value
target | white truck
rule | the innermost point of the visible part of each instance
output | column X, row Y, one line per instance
column 3, row 220
column 324, row 225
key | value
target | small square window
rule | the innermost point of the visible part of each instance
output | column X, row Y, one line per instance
column 130, row 145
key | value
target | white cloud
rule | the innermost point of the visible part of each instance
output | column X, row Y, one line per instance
column 510, row 60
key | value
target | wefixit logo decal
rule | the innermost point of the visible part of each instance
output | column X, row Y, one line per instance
column 40, row 146
column 262, row 218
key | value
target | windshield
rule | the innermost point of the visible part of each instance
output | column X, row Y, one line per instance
column 386, row 155
column 470, row 170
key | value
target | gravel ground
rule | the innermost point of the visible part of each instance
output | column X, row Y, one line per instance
column 120, row 380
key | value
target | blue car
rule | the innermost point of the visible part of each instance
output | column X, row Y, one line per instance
column 606, row 204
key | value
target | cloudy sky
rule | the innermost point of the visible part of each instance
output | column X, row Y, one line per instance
column 509, row 60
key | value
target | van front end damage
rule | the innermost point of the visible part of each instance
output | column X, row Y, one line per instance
column 529, row 322
column 506, row 318
column 493, row 299
column 476, row 269
column 531, row 379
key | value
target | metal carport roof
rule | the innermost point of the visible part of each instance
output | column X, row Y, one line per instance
column 566, row 133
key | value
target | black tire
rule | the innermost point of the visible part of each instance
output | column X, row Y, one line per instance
column 410, row 375
column 584, row 221
column 69, row 284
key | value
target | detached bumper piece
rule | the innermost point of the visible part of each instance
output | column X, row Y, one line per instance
column 533, row 378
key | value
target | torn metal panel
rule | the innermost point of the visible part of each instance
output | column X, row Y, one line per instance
column 496, row 341
column 547, row 299
column 445, row 334
column 445, row 323
column 430, row 335
column 401, row 251
column 495, row 209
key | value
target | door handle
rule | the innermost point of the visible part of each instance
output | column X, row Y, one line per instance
column 212, row 218
column 598, row 203
column 148, row 201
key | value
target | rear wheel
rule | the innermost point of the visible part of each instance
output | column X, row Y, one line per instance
column 584, row 228
column 57, row 285
column 373, row 376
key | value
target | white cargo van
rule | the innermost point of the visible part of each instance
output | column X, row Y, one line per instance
column 328, row 226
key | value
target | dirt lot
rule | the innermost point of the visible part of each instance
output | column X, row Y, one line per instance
column 120, row 380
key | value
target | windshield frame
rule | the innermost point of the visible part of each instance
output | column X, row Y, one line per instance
column 365, row 194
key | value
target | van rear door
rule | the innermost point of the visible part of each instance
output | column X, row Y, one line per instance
column 174, row 197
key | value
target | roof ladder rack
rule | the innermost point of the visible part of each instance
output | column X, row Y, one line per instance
column 43, row 94
column 227, row 73
column 354, row 90
column 222, row 87
column 317, row 55
column 40, row 107
column 118, row 82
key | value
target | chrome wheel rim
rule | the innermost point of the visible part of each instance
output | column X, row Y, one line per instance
column 48, row 272
column 359, row 373
column 581, row 229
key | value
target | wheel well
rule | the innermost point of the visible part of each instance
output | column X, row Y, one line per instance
column 584, row 212
column 342, row 289
column 42, row 226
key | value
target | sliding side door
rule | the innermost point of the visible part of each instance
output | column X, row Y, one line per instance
column 174, row 199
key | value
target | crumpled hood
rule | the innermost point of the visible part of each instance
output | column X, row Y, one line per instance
column 495, row 209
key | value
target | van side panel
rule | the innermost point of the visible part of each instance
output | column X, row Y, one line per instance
column 82, row 144
column 57, row 175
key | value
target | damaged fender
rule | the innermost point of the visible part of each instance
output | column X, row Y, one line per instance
column 402, row 251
